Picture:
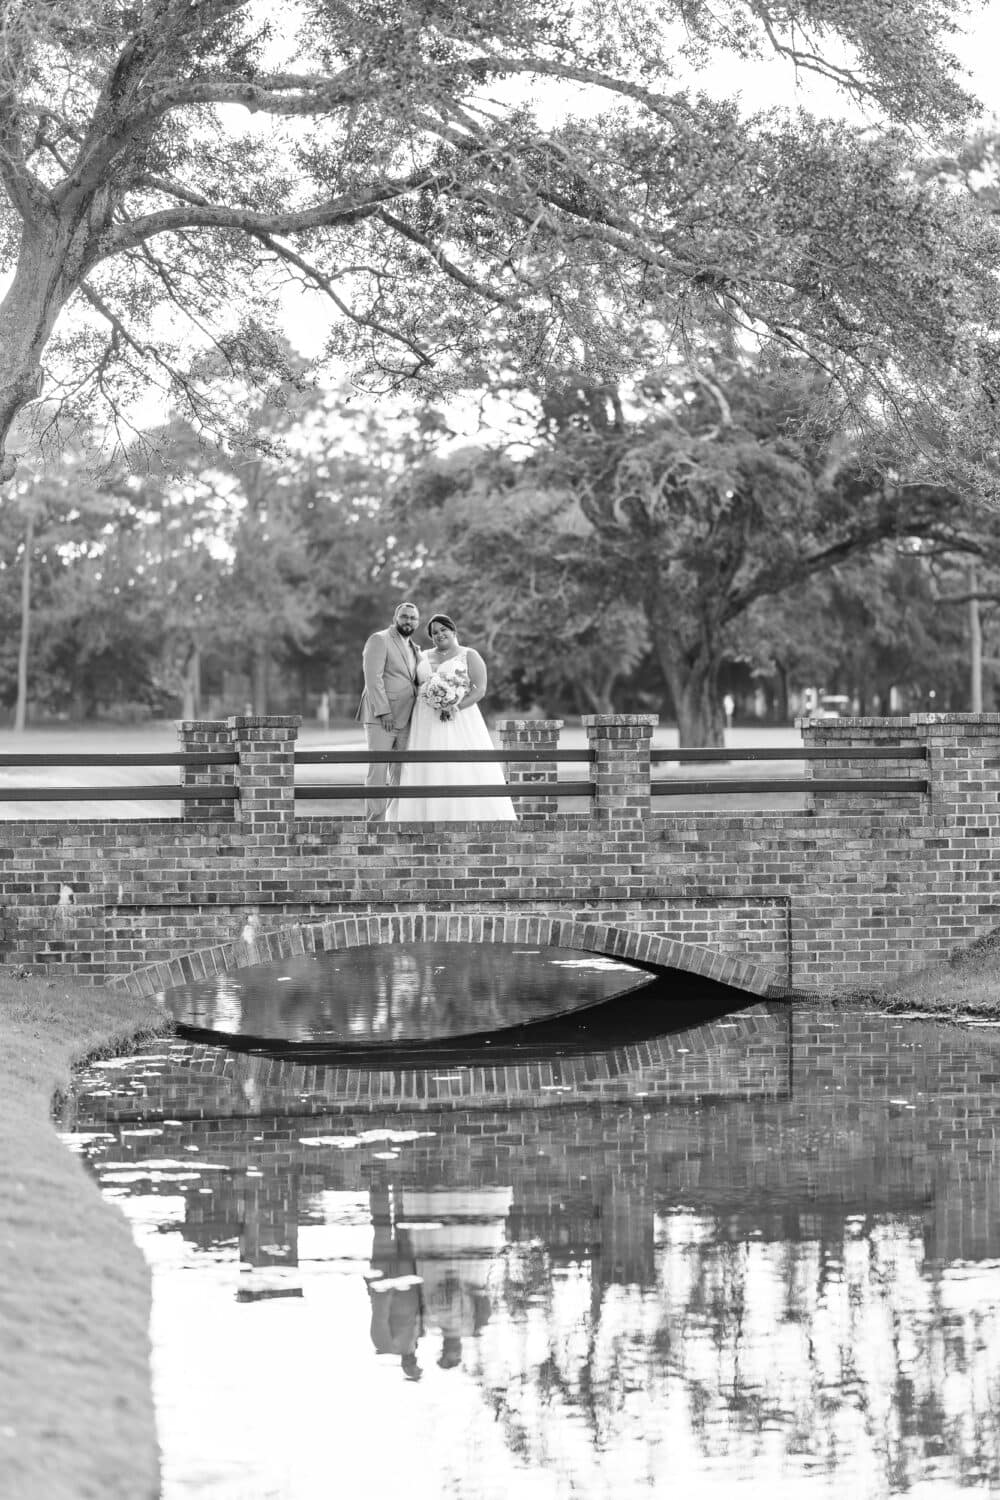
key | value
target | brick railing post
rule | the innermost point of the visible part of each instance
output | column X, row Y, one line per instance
column 621, row 766
column 964, row 767
column 531, row 734
column 266, row 774
column 205, row 734
column 846, row 734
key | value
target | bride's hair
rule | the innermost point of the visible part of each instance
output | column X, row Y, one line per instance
column 445, row 620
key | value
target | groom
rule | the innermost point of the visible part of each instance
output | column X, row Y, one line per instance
column 390, row 666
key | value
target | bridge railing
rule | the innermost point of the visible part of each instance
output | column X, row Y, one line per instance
column 245, row 768
column 811, row 784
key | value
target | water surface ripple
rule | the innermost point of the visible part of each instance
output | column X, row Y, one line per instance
column 783, row 1286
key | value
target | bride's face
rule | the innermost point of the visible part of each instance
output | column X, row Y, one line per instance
column 442, row 639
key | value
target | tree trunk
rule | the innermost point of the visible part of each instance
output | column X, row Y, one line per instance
column 261, row 673
column 700, row 716
column 975, row 646
column 21, row 711
column 191, row 708
column 52, row 261
column 692, row 676
column 782, row 680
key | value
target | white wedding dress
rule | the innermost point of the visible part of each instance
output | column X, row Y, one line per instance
column 465, row 730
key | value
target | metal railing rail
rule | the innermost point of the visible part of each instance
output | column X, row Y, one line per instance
column 662, row 786
column 349, row 791
column 170, row 792
column 339, row 791
column 722, row 786
column 459, row 757
column 792, row 752
column 127, row 758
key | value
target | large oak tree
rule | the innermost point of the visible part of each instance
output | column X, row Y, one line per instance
column 192, row 156
column 697, row 511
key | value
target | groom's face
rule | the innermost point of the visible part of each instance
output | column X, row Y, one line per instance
column 406, row 619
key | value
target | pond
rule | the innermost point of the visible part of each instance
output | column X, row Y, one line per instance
column 760, row 1256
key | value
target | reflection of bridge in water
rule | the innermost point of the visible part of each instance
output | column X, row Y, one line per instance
column 807, row 1113
column 782, row 1221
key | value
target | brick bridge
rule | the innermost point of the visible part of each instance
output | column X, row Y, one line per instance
column 851, row 889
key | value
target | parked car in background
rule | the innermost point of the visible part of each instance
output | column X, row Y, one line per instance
column 832, row 706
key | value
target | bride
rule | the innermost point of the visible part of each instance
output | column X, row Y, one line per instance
column 446, row 716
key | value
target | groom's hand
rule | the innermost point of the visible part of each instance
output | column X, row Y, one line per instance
column 386, row 722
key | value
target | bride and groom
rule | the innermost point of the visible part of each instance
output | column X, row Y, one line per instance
column 427, row 700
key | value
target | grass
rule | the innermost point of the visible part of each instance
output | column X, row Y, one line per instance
column 966, row 984
column 76, row 1409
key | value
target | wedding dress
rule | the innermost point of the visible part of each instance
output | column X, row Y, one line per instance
column 465, row 730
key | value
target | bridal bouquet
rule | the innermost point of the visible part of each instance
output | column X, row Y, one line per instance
column 443, row 694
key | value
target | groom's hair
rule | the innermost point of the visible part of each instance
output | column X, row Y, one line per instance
column 445, row 620
column 403, row 604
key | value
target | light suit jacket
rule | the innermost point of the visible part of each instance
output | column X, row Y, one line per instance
column 390, row 668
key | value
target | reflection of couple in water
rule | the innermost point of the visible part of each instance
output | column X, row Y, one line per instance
column 431, row 1256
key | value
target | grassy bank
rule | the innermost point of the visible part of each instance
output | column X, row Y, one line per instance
column 966, row 985
column 76, row 1411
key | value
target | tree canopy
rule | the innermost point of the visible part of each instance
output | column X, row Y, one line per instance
column 170, row 167
column 673, row 530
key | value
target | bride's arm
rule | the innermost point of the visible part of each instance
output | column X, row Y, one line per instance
column 477, row 679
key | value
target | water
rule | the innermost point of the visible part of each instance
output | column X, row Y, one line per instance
column 761, row 1257
column 387, row 994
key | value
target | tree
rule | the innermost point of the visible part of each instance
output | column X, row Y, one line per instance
column 871, row 628
column 715, row 496
column 190, row 155
column 498, row 551
column 55, row 525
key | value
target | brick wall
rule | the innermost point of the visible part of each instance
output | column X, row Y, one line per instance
column 852, row 889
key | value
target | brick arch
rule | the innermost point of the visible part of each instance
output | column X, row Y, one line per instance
column 456, row 927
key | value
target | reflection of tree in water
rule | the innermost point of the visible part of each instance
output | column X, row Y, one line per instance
column 847, row 1356
column 393, row 992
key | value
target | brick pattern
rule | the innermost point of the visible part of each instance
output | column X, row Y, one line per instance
column 266, row 778
column 452, row 927
column 844, row 892
column 621, row 743
column 532, row 734
column 211, row 735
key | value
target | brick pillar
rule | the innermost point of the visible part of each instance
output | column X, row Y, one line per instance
column 621, row 767
column 208, row 735
column 867, row 734
column 964, row 768
column 964, row 763
column 266, row 774
column 531, row 734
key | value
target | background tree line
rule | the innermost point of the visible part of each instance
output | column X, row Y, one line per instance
column 760, row 349
column 651, row 550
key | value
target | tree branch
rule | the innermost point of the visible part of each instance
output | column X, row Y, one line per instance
column 399, row 226
column 348, row 208
column 325, row 284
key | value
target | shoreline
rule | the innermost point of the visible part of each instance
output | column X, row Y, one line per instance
column 75, row 1386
